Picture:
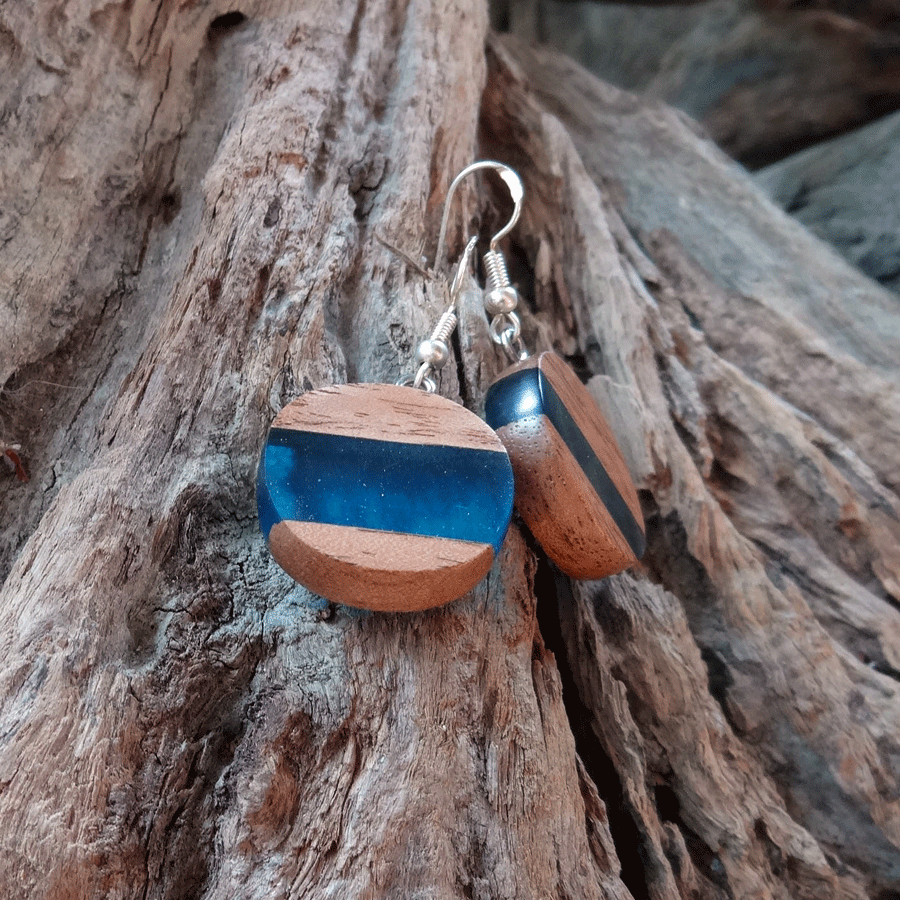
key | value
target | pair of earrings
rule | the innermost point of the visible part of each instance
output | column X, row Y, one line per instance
column 393, row 498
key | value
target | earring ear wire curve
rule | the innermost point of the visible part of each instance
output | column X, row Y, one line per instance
column 516, row 192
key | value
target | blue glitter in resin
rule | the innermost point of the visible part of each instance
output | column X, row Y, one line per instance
column 433, row 490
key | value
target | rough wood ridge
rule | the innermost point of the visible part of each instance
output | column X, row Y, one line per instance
column 190, row 200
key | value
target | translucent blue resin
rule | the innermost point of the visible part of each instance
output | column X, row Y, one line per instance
column 438, row 491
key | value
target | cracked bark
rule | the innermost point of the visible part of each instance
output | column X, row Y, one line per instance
column 191, row 200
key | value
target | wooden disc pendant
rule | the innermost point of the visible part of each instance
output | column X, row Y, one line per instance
column 383, row 497
column 573, row 488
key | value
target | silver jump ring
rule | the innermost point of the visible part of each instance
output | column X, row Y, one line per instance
column 427, row 384
column 513, row 347
column 419, row 380
column 506, row 325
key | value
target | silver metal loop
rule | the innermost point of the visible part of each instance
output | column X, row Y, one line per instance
column 507, row 325
column 421, row 380
column 513, row 347
column 422, row 374
column 506, row 330
column 516, row 191
column 463, row 269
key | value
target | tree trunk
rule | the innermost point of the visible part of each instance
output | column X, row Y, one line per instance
column 195, row 199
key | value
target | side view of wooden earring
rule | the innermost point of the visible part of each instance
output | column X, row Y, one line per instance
column 573, row 488
column 386, row 497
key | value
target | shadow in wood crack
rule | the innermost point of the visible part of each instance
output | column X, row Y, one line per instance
column 552, row 590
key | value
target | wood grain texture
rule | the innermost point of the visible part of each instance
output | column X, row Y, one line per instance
column 583, row 531
column 847, row 192
column 378, row 570
column 763, row 77
column 387, row 412
column 190, row 202
column 179, row 718
column 559, row 505
column 760, row 531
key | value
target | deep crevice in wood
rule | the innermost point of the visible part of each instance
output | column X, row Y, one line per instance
column 224, row 23
column 554, row 594
column 456, row 349
column 719, row 681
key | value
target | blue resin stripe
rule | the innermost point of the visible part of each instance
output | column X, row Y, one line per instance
column 425, row 489
column 529, row 393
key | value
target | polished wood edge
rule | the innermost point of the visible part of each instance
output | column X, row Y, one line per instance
column 377, row 570
column 388, row 412
column 588, row 417
column 559, row 504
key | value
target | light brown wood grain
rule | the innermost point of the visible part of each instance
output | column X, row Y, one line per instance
column 583, row 409
column 388, row 412
column 190, row 207
column 378, row 570
column 560, row 505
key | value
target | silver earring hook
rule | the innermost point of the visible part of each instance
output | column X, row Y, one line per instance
column 463, row 269
column 516, row 191
column 433, row 354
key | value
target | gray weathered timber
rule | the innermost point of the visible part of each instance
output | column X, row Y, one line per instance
column 765, row 77
column 193, row 198
column 842, row 337
column 194, row 243
column 847, row 192
column 777, row 537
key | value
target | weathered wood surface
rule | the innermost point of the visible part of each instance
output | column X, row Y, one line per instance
column 195, row 245
column 191, row 198
column 774, row 523
column 847, row 192
column 765, row 77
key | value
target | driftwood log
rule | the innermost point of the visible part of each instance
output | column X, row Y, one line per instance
column 195, row 197
column 765, row 77
column 847, row 192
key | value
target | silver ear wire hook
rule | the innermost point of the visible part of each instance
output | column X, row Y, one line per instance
column 465, row 265
column 516, row 191
column 434, row 353
column 500, row 297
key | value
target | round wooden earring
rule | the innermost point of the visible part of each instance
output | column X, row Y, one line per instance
column 573, row 488
column 386, row 497
column 383, row 497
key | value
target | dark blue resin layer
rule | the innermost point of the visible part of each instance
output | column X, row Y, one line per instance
column 438, row 491
column 529, row 393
